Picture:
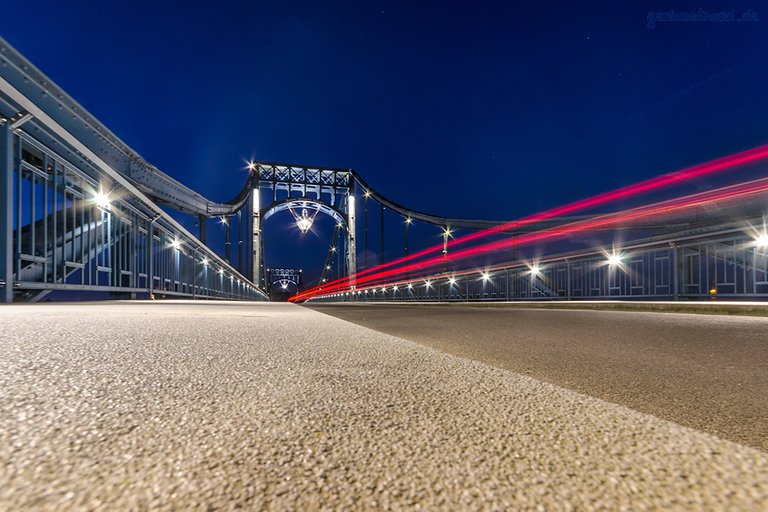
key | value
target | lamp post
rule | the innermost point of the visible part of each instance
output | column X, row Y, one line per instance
column 446, row 234
column 381, row 243
column 366, row 195
column 227, row 242
column 408, row 222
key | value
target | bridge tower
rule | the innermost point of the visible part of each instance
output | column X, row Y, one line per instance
column 305, row 192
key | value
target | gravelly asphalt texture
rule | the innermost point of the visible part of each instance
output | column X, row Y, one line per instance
column 709, row 372
column 174, row 406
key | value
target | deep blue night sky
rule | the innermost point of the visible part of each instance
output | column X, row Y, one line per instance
column 466, row 109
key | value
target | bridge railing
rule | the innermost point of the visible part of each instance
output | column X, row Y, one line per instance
column 727, row 265
column 72, row 226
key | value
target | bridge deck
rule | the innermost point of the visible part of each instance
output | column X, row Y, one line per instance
column 705, row 371
column 178, row 405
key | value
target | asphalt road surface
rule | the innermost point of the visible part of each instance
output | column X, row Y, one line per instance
column 709, row 372
column 218, row 406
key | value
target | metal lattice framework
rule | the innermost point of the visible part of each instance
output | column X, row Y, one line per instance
column 75, row 215
column 331, row 191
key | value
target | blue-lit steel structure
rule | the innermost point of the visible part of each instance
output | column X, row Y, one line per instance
column 81, row 210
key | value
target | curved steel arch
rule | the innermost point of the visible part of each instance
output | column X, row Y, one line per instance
column 303, row 202
column 336, row 186
column 284, row 284
column 282, row 279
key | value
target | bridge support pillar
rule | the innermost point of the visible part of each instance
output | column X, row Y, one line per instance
column 365, row 230
column 256, row 230
column 201, row 222
column 381, row 232
column 6, row 204
column 227, row 243
column 240, row 265
column 351, row 240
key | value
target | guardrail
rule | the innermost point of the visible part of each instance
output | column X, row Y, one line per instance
column 729, row 264
column 74, row 227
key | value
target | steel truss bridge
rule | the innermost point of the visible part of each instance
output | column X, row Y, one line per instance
column 82, row 211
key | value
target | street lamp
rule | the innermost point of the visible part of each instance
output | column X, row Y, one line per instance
column 614, row 259
column 303, row 221
column 446, row 234
column 101, row 199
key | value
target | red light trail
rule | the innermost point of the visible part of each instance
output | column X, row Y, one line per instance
column 657, row 183
column 721, row 195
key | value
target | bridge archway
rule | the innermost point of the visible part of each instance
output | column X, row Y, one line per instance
column 297, row 204
column 310, row 191
column 285, row 284
column 282, row 283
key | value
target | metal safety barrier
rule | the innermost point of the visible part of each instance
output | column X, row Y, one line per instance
column 730, row 264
